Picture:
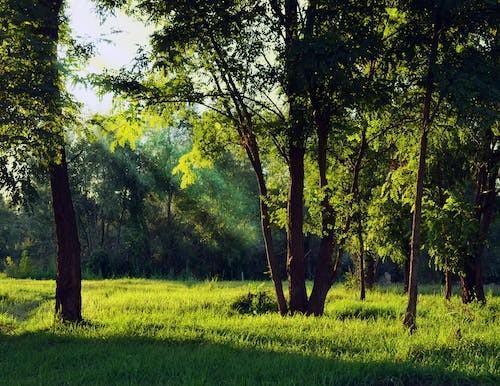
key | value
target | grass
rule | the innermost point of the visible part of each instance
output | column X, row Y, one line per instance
column 165, row 332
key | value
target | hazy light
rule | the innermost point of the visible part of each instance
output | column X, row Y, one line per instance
column 116, row 40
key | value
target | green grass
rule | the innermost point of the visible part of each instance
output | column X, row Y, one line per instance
column 165, row 332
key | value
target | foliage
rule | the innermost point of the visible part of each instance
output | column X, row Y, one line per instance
column 254, row 303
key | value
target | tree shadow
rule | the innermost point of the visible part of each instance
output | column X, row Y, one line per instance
column 51, row 358
column 21, row 309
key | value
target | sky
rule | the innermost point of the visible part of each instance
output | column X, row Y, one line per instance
column 116, row 40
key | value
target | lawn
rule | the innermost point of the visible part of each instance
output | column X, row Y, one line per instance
column 167, row 332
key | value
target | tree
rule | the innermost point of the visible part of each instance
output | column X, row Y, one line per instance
column 39, row 131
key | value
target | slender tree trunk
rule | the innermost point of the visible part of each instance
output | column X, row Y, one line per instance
column 448, row 291
column 411, row 309
column 68, row 279
column 272, row 262
column 362, row 294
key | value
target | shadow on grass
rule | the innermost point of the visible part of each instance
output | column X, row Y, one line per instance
column 47, row 358
column 21, row 309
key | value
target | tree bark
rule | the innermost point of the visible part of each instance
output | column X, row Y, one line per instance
column 325, row 269
column 362, row 294
column 448, row 290
column 370, row 271
column 68, row 279
column 295, row 237
column 411, row 309
column 472, row 277
column 296, row 136
column 253, row 153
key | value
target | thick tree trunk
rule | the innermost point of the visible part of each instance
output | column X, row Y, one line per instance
column 448, row 290
column 411, row 309
column 325, row 270
column 295, row 237
column 472, row 277
column 296, row 266
column 68, row 279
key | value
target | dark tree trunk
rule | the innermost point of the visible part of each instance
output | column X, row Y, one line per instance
column 472, row 277
column 296, row 137
column 370, row 270
column 411, row 309
column 325, row 270
column 362, row 293
column 295, row 237
column 448, row 290
column 68, row 279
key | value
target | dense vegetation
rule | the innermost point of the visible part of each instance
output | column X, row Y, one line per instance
column 162, row 332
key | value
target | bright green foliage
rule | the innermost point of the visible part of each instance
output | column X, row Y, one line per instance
column 158, row 332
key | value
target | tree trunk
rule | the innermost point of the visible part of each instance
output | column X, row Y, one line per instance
column 472, row 278
column 252, row 149
column 411, row 309
column 406, row 275
column 370, row 271
column 68, row 279
column 295, row 237
column 362, row 293
column 447, row 285
column 325, row 270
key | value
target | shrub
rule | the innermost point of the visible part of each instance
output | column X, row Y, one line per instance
column 254, row 303
column 11, row 268
column 351, row 280
column 25, row 267
column 22, row 270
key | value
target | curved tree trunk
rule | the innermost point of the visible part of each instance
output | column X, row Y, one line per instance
column 411, row 309
column 274, row 269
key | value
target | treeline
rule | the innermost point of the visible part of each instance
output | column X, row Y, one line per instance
column 372, row 125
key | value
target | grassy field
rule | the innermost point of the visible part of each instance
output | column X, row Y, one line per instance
column 164, row 332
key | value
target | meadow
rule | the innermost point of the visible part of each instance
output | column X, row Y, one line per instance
column 140, row 331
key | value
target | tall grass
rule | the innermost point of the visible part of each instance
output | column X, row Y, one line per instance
column 167, row 332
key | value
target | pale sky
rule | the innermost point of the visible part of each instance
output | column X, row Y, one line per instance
column 118, row 52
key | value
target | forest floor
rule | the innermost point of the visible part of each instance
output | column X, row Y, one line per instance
column 166, row 332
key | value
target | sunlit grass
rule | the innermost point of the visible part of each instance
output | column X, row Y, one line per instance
column 161, row 332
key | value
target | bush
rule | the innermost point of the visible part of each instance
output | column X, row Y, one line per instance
column 255, row 304
column 25, row 266
column 11, row 268
column 351, row 280
column 23, row 270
